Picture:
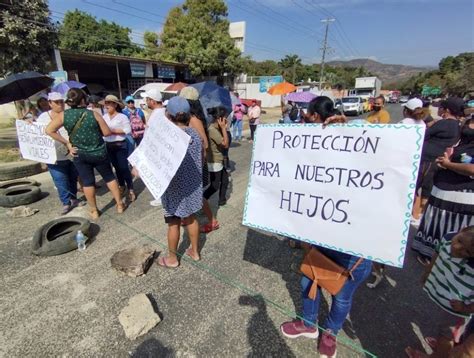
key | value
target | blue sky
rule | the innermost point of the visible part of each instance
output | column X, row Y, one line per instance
column 411, row 32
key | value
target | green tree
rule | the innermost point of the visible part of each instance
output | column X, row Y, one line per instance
column 150, row 40
column 27, row 36
column 197, row 33
column 81, row 31
column 289, row 64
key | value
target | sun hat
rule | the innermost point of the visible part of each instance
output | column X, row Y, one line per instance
column 112, row 98
column 129, row 98
column 413, row 104
column 176, row 105
column 189, row 93
column 154, row 94
column 55, row 96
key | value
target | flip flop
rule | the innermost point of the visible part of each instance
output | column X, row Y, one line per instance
column 162, row 262
column 206, row 229
column 188, row 253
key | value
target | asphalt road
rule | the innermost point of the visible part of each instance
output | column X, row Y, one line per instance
column 231, row 304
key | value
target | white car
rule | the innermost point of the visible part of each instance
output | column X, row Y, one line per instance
column 403, row 99
column 139, row 101
column 353, row 105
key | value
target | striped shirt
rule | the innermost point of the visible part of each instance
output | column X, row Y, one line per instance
column 450, row 279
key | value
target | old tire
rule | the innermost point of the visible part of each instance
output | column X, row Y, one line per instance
column 59, row 236
column 15, row 170
column 18, row 182
column 19, row 195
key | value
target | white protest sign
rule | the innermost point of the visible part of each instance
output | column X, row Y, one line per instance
column 34, row 143
column 345, row 187
column 160, row 154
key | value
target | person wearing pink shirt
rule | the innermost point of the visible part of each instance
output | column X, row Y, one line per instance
column 254, row 118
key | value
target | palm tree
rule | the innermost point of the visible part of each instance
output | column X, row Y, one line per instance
column 289, row 64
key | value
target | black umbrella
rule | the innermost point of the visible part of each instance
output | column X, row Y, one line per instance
column 22, row 85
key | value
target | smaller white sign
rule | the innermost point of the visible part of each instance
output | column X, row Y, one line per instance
column 35, row 144
column 159, row 155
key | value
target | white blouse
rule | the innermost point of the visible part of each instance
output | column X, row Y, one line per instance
column 119, row 121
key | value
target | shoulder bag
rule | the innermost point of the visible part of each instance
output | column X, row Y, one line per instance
column 325, row 273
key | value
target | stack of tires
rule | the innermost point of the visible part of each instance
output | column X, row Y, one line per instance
column 19, row 192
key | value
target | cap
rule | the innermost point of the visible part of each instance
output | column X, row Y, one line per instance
column 455, row 105
column 413, row 104
column 176, row 105
column 189, row 93
column 55, row 96
column 153, row 93
column 129, row 99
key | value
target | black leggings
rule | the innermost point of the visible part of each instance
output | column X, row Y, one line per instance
column 219, row 182
column 118, row 153
column 253, row 128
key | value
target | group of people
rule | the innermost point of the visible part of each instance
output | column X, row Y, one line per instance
column 445, row 237
column 102, row 136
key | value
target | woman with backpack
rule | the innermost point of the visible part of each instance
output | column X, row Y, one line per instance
column 117, row 146
column 86, row 130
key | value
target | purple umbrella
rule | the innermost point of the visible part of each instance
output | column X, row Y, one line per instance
column 303, row 97
column 63, row 87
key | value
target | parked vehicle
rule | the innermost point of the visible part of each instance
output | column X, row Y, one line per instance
column 352, row 105
column 366, row 87
column 139, row 101
column 394, row 97
column 338, row 105
column 366, row 104
column 403, row 99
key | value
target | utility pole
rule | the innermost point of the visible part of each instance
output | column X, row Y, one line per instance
column 325, row 48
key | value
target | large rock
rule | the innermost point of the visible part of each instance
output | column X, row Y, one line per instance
column 138, row 317
column 133, row 262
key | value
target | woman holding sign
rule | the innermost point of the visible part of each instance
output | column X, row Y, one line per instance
column 183, row 197
column 63, row 172
column 86, row 130
column 354, row 269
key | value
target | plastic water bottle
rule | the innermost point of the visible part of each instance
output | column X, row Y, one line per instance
column 81, row 241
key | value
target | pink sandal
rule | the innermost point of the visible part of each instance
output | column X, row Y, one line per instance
column 163, row 263
column 206, row 229
column 188, row 253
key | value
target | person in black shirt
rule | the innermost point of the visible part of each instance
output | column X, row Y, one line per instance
column 451, row 203
column 439, row 136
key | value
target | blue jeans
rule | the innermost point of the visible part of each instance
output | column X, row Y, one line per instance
column 237, row 130
column 342, row 302
column 64, row 176
column 130, row 144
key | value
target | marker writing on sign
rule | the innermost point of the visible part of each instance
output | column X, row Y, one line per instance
column 315, row 206
column 338, row 143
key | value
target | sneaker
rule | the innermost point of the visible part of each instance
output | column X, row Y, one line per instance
column 296, row 328
column 327, row 345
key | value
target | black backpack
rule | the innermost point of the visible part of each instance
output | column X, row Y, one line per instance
column 294, row 113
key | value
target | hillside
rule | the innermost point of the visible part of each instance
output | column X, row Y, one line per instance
column 386, row 72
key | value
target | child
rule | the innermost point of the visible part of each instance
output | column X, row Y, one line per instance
column 448, row 282
column 183, row 197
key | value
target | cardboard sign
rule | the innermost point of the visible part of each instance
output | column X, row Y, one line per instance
column 348, row 187
column 35, row 144
column 160, row 154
